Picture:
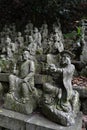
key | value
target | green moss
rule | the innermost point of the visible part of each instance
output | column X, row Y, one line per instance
column 6, row 66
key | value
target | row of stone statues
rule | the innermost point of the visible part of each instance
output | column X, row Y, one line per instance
column 42, row 40
column 56, row 97
column 57, row 100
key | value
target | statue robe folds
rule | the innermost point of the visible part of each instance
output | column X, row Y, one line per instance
column 22, row 96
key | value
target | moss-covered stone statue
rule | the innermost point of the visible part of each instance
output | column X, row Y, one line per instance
column 60, row 102
column 22, row 96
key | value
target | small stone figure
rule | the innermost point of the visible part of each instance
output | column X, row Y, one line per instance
column 20, row 40
column 32, row 46
column 30, row 27
column 9, row 48
column 22, row 93
column 44, row 31
column 8, row 31
column 2, row 39
column 60, row 102
column 26, row 31
column 57, row 46
column 26, row 35
column 37, row 37
column 57, row 31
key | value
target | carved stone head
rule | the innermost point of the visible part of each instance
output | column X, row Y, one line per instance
column 26, row 55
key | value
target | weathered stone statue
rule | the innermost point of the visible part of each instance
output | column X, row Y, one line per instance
column 32, row 46
column 60, row 102
column 55, row 48
column 20, row 40
column 44, row 31
column 26, row 35
column 30, row 25
column 22, row 93
column 9, row 48
column 37, row 37
column 57, row 31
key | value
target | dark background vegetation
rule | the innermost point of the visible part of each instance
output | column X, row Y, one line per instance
column 20, row 11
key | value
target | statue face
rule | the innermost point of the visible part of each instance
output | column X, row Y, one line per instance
column 35, row 30
column 65, row 60
column 19, row 34
column 25, row 55
column 30, row 39
column 56, row 37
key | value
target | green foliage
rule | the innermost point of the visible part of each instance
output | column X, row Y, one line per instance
column 70, row 35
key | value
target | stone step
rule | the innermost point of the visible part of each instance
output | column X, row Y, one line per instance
column 36, row 121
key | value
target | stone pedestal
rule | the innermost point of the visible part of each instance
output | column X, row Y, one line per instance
column 38, row 122
column 16, row 121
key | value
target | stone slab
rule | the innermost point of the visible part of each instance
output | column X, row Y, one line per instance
column 39, row 122
column 16, row 121
column 12, row 120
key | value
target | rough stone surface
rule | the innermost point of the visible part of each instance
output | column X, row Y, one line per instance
column 38, row 122
column 16, row 121
column 12, row 120
column 26, row 108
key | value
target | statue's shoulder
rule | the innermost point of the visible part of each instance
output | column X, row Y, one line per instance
column 30, row 62
column 72, row 67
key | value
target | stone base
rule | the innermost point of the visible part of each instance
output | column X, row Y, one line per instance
column 39, row 122
column 12, row 104
column 16, row 121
